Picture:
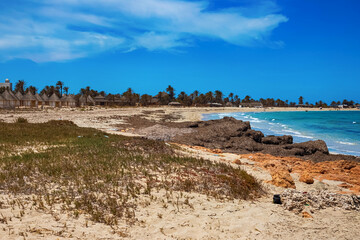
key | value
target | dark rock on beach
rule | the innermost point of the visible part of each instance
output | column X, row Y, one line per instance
column 236, row 136
column 277, row 140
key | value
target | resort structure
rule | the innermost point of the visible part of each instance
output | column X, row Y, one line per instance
column 9, row 99
column 6, row 84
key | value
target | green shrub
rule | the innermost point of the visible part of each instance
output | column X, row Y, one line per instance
column 21, row 120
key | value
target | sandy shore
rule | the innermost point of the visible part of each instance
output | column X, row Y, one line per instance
column 82, row 116
column 200, row 217
column 196, row 216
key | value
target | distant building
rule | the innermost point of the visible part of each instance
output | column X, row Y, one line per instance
column 252, row 105
column 229, row 104
column 68, row 101
column 100, row 100
column 174, row 104
column 86, row 101
column 39, row 100
column 3, row 102
column 54, row 101
column 6, row 84
column 29, row 100
column 11, row 100
column 215, row 105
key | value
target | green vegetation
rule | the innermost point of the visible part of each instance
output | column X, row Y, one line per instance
column 86, row 171
column 21, row 120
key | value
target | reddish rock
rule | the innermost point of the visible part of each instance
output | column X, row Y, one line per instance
column 237, row 161
column 347, row 165
column 340, row 170
column 282, row 179
column 306, row 178
column 306, row 215
column 217, row 151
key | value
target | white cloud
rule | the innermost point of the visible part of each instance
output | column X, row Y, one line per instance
column 56, row 30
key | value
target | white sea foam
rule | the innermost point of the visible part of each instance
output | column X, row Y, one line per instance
column 346, row 143
column 255, row 120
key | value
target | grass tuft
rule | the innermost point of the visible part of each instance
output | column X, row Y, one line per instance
column 21, row 120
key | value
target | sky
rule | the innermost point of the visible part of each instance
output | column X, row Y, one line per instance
column 262, row 48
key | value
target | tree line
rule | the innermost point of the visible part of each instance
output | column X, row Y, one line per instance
column 130, row 98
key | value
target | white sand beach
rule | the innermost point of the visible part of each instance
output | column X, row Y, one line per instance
column 183, row 215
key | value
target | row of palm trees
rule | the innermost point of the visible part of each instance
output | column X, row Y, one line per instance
column 129, row 97
column 58, row 89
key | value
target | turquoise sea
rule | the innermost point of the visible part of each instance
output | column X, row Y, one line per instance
column 339, row 129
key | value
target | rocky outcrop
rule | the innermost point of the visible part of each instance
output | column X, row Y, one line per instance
column 277, row 140
column 236, row 136
column 345, row 171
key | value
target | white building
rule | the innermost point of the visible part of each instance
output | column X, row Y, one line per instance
column 6, row 84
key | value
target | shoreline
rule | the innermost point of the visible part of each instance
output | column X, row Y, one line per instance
column 271, row 109
column 106, row 119
column 336, row 144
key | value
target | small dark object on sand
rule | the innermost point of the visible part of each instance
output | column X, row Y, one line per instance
column 277, row 199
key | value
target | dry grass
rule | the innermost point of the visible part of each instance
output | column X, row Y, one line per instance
column 103, row 176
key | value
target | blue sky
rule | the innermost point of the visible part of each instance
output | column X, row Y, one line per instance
column 261, row 48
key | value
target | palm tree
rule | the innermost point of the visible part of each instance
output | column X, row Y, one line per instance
column 20, row 86
column 31, row 89
column 209, row 97
column 247, row 99
column 145, row 100
column 171, row 92
column 85, row 91
column 301, row 100
column 129, row 95
column 237, row 100
column 45, row 91
column 66, row 90
column 231, row 97
column 218, row 96
column 60, row 85
column 181, row 97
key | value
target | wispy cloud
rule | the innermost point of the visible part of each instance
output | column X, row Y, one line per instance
column 57, row 30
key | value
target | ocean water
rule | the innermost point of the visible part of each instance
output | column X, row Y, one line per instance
column 339, row 129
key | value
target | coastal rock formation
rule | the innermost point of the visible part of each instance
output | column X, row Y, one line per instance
column 277, row 140
column 236, row 136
